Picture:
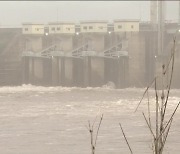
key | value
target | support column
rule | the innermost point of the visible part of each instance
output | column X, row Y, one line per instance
column 68, row 65
column 58, row 71
column 31, row 70
column 47, row 71
column 62, row 74
column 93, row 71
column 97, row 71
column 122, row 72
column 78, row 72
column 25, row 70
column 87, row 71
column 55, row 71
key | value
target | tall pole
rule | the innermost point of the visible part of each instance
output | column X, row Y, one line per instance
column 153, row 12
column 161, row 19
column 161, row 52
column 57, row 15
column 151, row 67
column 179, row 12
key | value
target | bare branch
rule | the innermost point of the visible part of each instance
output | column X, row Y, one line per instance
column 172, row 54
column 144, row 94
column 161, row 129
column 94, row 122
column 171, row 116
column 169, row 120
column 91, row 131
column 149, row 113
column 170, row 82
column 166, row 135
column 125, row 138
column 98, row 129
column 148, row 125
column 157, row 128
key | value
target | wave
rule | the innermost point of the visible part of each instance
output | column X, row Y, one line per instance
column 29, row 87
column 108, row 87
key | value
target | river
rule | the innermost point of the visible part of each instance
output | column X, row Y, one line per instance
column 54, row 120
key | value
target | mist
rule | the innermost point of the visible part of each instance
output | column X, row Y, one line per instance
column 14, row 13
column 71, row 69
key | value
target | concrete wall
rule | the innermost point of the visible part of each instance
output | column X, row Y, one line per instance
column 47, row 72
column 116, row 71
column 96, row 42
column 68, row 73
column 140, row 46
column 35, row 68
column 97, row 71
column 58, row 71
column 67, row 43
column 136, row 50
column 32, row 43
column 36, row 71
column 150, row 39
column 55, row 71
column 176, row 70
column 93, row 71
column 10, row 56
column 78, row 72
column 62, row 42
column 10, row 42
column 25, row 70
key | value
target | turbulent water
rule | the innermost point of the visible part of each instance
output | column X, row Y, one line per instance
column 54, row 120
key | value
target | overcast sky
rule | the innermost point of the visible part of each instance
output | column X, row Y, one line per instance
column 13, row 13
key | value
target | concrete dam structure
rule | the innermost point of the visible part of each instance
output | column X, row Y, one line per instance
column 89, row 54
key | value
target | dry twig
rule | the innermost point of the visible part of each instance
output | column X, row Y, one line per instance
column 161, row 128
column 91, row 131
column 125, row 138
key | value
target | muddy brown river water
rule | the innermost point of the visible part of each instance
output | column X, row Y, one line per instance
column 53, row 120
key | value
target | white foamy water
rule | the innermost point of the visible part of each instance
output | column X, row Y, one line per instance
column 53, row 120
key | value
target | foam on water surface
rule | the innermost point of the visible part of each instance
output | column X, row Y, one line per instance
column 44, row 120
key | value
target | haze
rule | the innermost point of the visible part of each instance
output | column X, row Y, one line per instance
column 13, row 13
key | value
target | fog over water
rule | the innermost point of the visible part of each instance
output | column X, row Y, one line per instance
column 44, row 120
column 53, row 120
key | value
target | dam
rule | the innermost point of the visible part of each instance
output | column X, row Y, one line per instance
column 87, row 54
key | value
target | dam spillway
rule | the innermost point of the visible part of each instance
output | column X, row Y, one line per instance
column 92, row 54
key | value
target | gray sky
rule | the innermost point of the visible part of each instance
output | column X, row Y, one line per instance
column 13, row 13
